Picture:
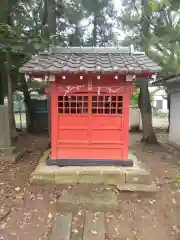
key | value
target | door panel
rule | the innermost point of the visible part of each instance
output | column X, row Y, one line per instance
column 106, row 122
column 73, row 119
column 90, row 151
column 106, row 119
column 106, row 136
column 90, row 126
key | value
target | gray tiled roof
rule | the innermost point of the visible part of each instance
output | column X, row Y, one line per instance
column 89, row 59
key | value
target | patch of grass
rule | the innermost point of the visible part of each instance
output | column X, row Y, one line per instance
column 163, row 115
column 178, row 179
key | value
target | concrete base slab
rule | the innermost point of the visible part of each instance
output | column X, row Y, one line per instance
column 106, row 175
column 7, row 151
column 10, row 155
column 62, row 227
column 137, row 176
column 94, row 200
column 152, row 188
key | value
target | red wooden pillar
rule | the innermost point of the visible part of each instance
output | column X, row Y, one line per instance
column 54, row 118
column 126, row 115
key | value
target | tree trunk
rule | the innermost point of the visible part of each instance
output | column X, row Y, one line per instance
column 169, row 109
column 1, row 88
column 51, row 21
column 95, row 29
column 146, row 113
column 12, row 122
column 10, row 104
column 12, row 125
column 51, row 18
column 31, row 114
column 4, row 18
column 144, row 96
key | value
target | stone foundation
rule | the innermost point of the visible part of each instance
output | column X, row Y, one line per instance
column 10, row 155
column 124, row 178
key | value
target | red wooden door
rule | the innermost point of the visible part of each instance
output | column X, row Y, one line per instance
column 90, row 126
column 73, row 125
column 106, row 128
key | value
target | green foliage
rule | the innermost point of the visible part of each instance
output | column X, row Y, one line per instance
column 178, row 179
column 158, row 5
column 163, row 41
column 134, row 98
column 26, row 28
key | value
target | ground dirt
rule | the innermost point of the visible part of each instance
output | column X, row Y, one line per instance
column 27, row 211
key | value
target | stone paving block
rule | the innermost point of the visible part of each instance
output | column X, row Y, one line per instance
column 92, row 177
column 43, row 169
column 113, row 177
column 7, row 151
column 78, row 225
column 62, row 227
column 138, row 176
column 45, row 156
column 41, row 179
column 94, row 228
column 95, row 200
column 69, row 169
column 66, row 178
column 14, row 158
column 77, row 238
column 152, row 188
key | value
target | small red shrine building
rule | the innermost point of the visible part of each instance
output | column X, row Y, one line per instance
column 90, row 90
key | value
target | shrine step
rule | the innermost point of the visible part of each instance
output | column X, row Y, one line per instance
column 92, row 227
column 141, row 188
column 88, row 198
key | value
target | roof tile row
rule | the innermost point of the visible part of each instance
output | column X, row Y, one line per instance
column 97, row 61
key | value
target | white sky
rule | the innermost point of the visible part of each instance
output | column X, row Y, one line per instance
column 117, row 4
column 120, row 34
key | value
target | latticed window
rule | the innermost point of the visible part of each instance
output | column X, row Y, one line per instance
column 107, row 104
column 76, row 104
column 73, row 104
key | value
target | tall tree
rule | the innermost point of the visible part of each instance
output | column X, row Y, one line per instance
column 3, row 20
column 102, row 16
column 152, row 26
column 5, row 55
column 74, row 14
column 144, row 96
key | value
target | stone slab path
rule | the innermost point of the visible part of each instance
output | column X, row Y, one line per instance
column 62, row 227
column 100, row 200
column 92, row 227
